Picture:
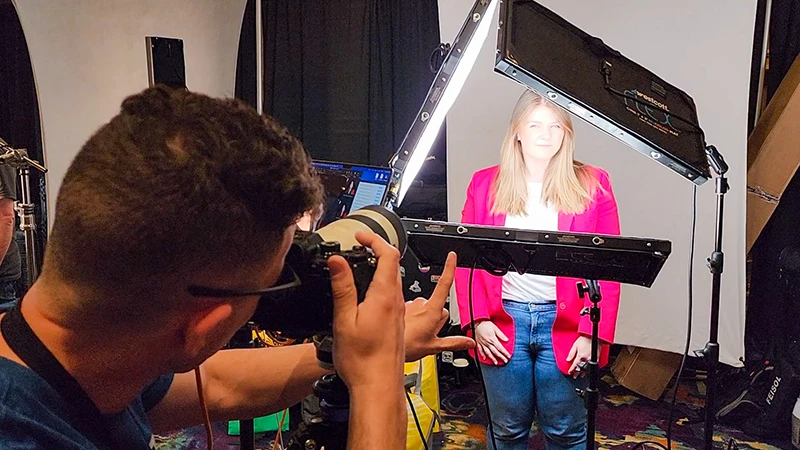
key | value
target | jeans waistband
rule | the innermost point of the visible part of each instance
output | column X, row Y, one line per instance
column 530, row 306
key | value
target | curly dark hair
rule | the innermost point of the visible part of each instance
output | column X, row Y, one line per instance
column 175, row 181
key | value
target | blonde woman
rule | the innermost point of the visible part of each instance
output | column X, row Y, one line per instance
column 532, row 342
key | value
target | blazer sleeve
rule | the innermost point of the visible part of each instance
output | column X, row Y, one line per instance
column 607, row 223
column 462, row 277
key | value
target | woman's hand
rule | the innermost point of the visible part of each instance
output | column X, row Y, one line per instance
column 488, row 338
column 579, row 355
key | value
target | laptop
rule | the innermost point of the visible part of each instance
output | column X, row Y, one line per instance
column 349, row 188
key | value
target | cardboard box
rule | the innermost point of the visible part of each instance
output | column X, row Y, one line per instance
column 773, row 153
column 645, row 371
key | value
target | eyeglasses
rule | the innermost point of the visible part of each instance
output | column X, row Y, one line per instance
column 287, row 281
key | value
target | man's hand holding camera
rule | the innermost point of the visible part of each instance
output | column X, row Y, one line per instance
column 373, row 339
column 368, row 348
column 368, row 343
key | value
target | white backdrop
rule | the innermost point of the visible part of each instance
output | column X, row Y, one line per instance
column 703, row 48
column 88, row 55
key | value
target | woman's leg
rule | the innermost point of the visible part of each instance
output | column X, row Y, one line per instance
column 561, row 412
column 510, row 388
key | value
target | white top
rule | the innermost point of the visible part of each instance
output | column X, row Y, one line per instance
column 530, row 288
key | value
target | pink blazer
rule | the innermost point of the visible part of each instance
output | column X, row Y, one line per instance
column 600, row 217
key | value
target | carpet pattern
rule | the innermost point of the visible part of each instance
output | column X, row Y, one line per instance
column 623, row 419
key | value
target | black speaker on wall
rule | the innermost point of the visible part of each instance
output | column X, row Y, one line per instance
column 165, row 62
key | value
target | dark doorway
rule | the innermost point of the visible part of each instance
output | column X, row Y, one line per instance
column 20, row 125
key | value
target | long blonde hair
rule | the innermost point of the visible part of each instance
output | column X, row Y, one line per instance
column 568, row 184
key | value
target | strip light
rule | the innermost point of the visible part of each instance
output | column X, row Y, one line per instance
column 458, row 63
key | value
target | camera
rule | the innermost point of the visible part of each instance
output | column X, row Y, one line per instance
column 306, row 309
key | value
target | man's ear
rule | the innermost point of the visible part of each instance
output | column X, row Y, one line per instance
column 203, row 327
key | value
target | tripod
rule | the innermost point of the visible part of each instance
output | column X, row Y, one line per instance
column 18, row 158
column 326, row 414
column 591, row 395
column 715, row 263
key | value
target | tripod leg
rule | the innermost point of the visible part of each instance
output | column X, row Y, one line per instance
column 247, row 437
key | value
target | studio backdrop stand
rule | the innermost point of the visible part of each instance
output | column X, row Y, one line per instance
column 18, row 158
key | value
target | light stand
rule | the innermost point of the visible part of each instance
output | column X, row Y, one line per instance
column 244, row 339
column 591, row 395
column 715, row 263
column 18, row 158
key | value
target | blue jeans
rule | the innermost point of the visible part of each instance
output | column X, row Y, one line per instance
column 531, row 385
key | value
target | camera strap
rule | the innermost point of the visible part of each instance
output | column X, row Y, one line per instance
column 29, row 348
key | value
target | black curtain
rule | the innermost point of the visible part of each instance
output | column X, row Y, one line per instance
column 347, row 78
column 19, row 113
column 246, row 60
column 755, row 63
column 771, row 305
column 784, row 42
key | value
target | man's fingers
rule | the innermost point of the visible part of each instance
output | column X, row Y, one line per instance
column 380, row 247
column 386, row 277
column 455, row 343
column 444, row 317
column 442, row 289
column 345, row 299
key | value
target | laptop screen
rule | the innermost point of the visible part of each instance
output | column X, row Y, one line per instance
column 349, row 188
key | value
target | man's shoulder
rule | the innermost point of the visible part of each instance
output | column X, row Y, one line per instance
column 20, row 384
column 32, row 414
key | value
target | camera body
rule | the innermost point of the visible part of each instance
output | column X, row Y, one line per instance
column 307, row 310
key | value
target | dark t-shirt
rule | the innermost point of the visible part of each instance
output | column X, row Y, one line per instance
column 11, row 266
column 34, row 416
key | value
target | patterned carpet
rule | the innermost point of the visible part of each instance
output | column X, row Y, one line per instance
column 624, row 419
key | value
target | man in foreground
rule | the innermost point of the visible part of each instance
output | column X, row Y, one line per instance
column 182, row 190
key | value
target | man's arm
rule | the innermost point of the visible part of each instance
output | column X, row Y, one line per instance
column 378, row 417
column 239, row 384
column 6, row 225
column 254, row 382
